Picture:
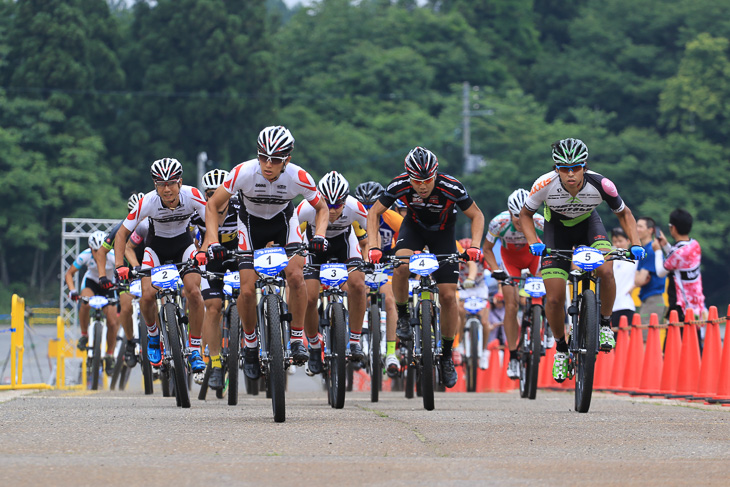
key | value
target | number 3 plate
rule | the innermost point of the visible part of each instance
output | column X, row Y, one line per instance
column 423, row 264
column 587, row 258
column 270, row 261
column 333, row 274
column 165, row 277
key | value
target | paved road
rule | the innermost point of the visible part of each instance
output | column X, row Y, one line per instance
column 113, row 438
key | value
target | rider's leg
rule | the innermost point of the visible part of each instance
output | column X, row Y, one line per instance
column 449, row 315
column 297, row 293
column 84, row 310
column 196, row 308
column 608, row 288
column 112, row 328
column 555, row 306
column 125, row 315
column 148, row 306
column 311, row 318
column 247, row 306
column 211, row 325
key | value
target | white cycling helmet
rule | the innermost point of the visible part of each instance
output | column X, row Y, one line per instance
column 517, row 200
column 166, row 169
column 133, row 200
column 275, row 141
column 569, row 152
column 334, row 187
column 213, row 179
column 96, row 239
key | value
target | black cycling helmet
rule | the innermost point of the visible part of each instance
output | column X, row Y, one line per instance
column 368, row 193
column 421, row 164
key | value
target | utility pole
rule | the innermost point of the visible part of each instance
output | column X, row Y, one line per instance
column 472, row 162
column 202, row 159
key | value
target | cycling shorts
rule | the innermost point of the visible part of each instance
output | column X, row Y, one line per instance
column 213, row 288
column 163, row 250
column 90, row 283
column 413, row 237
column 557, row 236
column 516, row 260
column 256, row 233
column 343, row 248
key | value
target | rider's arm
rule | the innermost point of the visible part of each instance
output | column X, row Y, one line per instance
column 489, row 255
column 120, row 242
column 628, row 223
column 322, row 217
column 528, row 226
column 69, row 277
column 130, row 254
column 100, row 259
column 477, row 222
column 215, row 203
column 374, row 223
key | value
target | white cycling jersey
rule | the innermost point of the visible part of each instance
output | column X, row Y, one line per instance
column 354, row 213
column 265, row 199
column 167, row 222
column 140, row 233
column 86, row 259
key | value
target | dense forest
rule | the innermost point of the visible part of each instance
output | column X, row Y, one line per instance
column 92, row 91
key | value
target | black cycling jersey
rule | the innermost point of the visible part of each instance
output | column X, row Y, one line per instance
column 438, row 211
column 227, row 229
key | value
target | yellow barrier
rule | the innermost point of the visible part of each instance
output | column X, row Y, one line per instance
column 17, row 337
column 60, row 349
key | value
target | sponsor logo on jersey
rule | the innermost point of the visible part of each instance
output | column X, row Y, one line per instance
column 609, row 187
column 540, row 184
column 260, row 185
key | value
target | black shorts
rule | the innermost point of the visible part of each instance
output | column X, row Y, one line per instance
column 413, row 237
column 213, row 288
column 161, row 250
column 258, row 232
column 96, row 288
column 557, row 236
column 339, row 250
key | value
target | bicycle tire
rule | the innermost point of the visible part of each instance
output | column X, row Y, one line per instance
column 179, row 369
column 117, row 371
column 252, row 386
column 472, row 361
column 277, row 374
column 427, row 362
column 587, row 338
column 535, row 351
column 338, row 331
column 234, row 353
column 166, row 382
column 350, row 373
column 124, row 376
column 376, row 368
column 146, row 366
column 410, row 382
column 203, row 393
column 96, row 359
column 524, row 352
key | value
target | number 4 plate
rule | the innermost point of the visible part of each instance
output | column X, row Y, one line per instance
column 423, row 264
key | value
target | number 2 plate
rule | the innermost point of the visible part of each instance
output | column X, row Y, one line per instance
column 165, row 277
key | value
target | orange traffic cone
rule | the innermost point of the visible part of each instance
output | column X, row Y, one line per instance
column 494, row 371
column 672, row 353
column 505, row 383
column 632, row 373
column 604, row 368
column 545, row 373
column 689, row 360
column 651, row 370
column 621, row 355
column 723, row 382
column 711, row 354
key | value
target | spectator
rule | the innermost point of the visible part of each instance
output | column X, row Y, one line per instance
column 496, row 319
column 682, row 264
column 624, row 273
column 652, row 286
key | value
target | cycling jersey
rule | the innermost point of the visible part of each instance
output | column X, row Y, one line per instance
column 354, row 216
column 438, row 211
column 501, row 228
column 86, row 259
column 686, row 284
column 167, row 222
column 561, row 207
column 262, row 198
column 227, row 229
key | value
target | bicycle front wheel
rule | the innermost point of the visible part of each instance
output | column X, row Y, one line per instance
column 338, row 331
column 234, row 351
column 534, row 351
column 96, row 359
column 427, row 363
column 585, row 358
column 179, row 370
column 275, row 343
column 376, row 369
column 472, row 345
column 146, row 366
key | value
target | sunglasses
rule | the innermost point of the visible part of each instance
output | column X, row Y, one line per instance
column 573, row 168
column 165, row 184
column 209, row 193
column 336, row 206
column 423, row 181
column 271, row 159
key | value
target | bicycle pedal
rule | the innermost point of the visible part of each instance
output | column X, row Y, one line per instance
column 198, row 377
column 308, row 372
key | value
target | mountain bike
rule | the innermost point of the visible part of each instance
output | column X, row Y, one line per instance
column 231, row 333
column 408, row 366
column 374, row 329
column 584, row 312
column 172, row 321
column 473, row 339
column 97, row 326
column 426, row 332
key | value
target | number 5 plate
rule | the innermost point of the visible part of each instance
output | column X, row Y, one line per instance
column 270, row 261
column 333, row 274
column 587, row 258
column 423, row 264
column 165, row 277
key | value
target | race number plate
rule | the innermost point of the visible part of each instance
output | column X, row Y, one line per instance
column 423, row 264
column 535, row 287
column 333, row 274
column 474, row 305
column 165, row 277
column 98, row 302
column 587, row 258
column 270, row 261
column 135, row 288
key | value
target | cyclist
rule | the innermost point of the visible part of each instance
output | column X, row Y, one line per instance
column 432, row 199
column 516, row 256
column 90, row 286
column 571, row 194
column 472, row 283
column 400, row 208
column 212, row 289
column 125, row 298
column 346, row 234
column 168, row 209
column 266, row 186
column 390, row 221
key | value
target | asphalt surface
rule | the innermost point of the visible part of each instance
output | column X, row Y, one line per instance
column 126, row 438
